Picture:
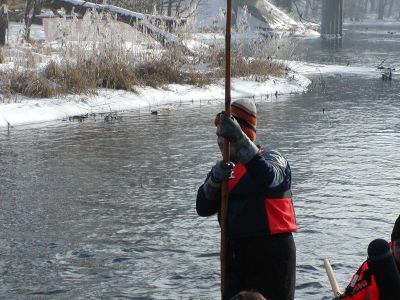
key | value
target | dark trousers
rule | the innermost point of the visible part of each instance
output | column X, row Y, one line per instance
column 266, row 264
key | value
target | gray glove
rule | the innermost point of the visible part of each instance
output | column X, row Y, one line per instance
column 220, row 172
column 230, row 129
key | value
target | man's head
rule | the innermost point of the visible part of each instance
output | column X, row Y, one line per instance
column 248, row 295
column 245, row 112
column 396, row 240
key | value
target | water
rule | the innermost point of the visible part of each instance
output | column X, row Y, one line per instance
column 107, row 210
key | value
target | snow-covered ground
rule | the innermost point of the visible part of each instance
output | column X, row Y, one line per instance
column 28, row 111
column 252, row 15
column 24, row 111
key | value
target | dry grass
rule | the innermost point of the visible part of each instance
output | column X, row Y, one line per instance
column 31, row 84
column 256, row 69
column 160, row 73
column 259, row 69
column 100, row 58
column 16, row 4
column 69, row 78
column 85, row 76
column 114, row 74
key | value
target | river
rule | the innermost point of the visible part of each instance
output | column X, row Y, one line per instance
column 106, row 210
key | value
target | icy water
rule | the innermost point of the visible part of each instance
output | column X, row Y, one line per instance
column 106, row 210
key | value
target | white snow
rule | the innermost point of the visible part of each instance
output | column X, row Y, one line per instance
column 211, row 14
column 33, row 111
column 29, row 111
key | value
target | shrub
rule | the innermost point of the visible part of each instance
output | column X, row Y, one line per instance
column 70, row 77
column 98, row 53
column 31, row 84
column 115, row 74
column 258, row 69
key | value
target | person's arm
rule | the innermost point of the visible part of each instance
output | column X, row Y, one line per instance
column 270, row 170
column 209, row 194
column 207, row 206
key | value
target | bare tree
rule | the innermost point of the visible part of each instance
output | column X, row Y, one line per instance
column 29, row 11
column 3, row 22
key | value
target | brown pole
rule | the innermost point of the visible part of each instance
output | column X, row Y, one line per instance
column 226, row 154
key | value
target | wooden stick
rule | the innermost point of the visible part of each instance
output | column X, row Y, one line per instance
column 226, row 154
column 332, row 278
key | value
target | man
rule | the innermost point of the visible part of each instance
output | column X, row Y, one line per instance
column 248, row 295
column 261, row 253
column 363, row 285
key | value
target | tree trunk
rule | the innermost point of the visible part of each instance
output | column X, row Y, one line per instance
column 332, row 17
column 3, row 24
column 381, row 9
column 29, row 9
column 169, row 9
column 390, row 8
column 372, row 7
column 37, row 8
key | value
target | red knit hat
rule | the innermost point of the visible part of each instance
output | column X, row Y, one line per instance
column 245, row 112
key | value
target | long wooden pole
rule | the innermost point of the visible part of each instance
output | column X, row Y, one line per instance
column 226, row 154
column 332, row 278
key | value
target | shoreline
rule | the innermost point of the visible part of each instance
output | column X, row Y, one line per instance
column 28, row 111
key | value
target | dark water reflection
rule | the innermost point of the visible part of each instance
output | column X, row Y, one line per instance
column 106, row 210
column 362, row 45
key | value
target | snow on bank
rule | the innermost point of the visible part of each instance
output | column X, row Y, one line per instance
column 256, row 15
column 30, row 111
column 305, row 68
column 33, row 111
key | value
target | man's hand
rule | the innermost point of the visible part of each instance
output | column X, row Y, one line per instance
column 220, row 172
column 229, row 128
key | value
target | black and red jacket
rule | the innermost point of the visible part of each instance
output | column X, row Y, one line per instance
column 362, row 285
column 260, row 198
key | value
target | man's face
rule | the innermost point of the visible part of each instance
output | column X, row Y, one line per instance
column 396, row 250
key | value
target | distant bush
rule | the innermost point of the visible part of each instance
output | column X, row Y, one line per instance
column 30, row 84
column 17, row 4
column 259, row 69
column 97, row 52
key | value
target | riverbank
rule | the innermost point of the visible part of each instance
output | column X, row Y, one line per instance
column 18, row 110
column 146, row 100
